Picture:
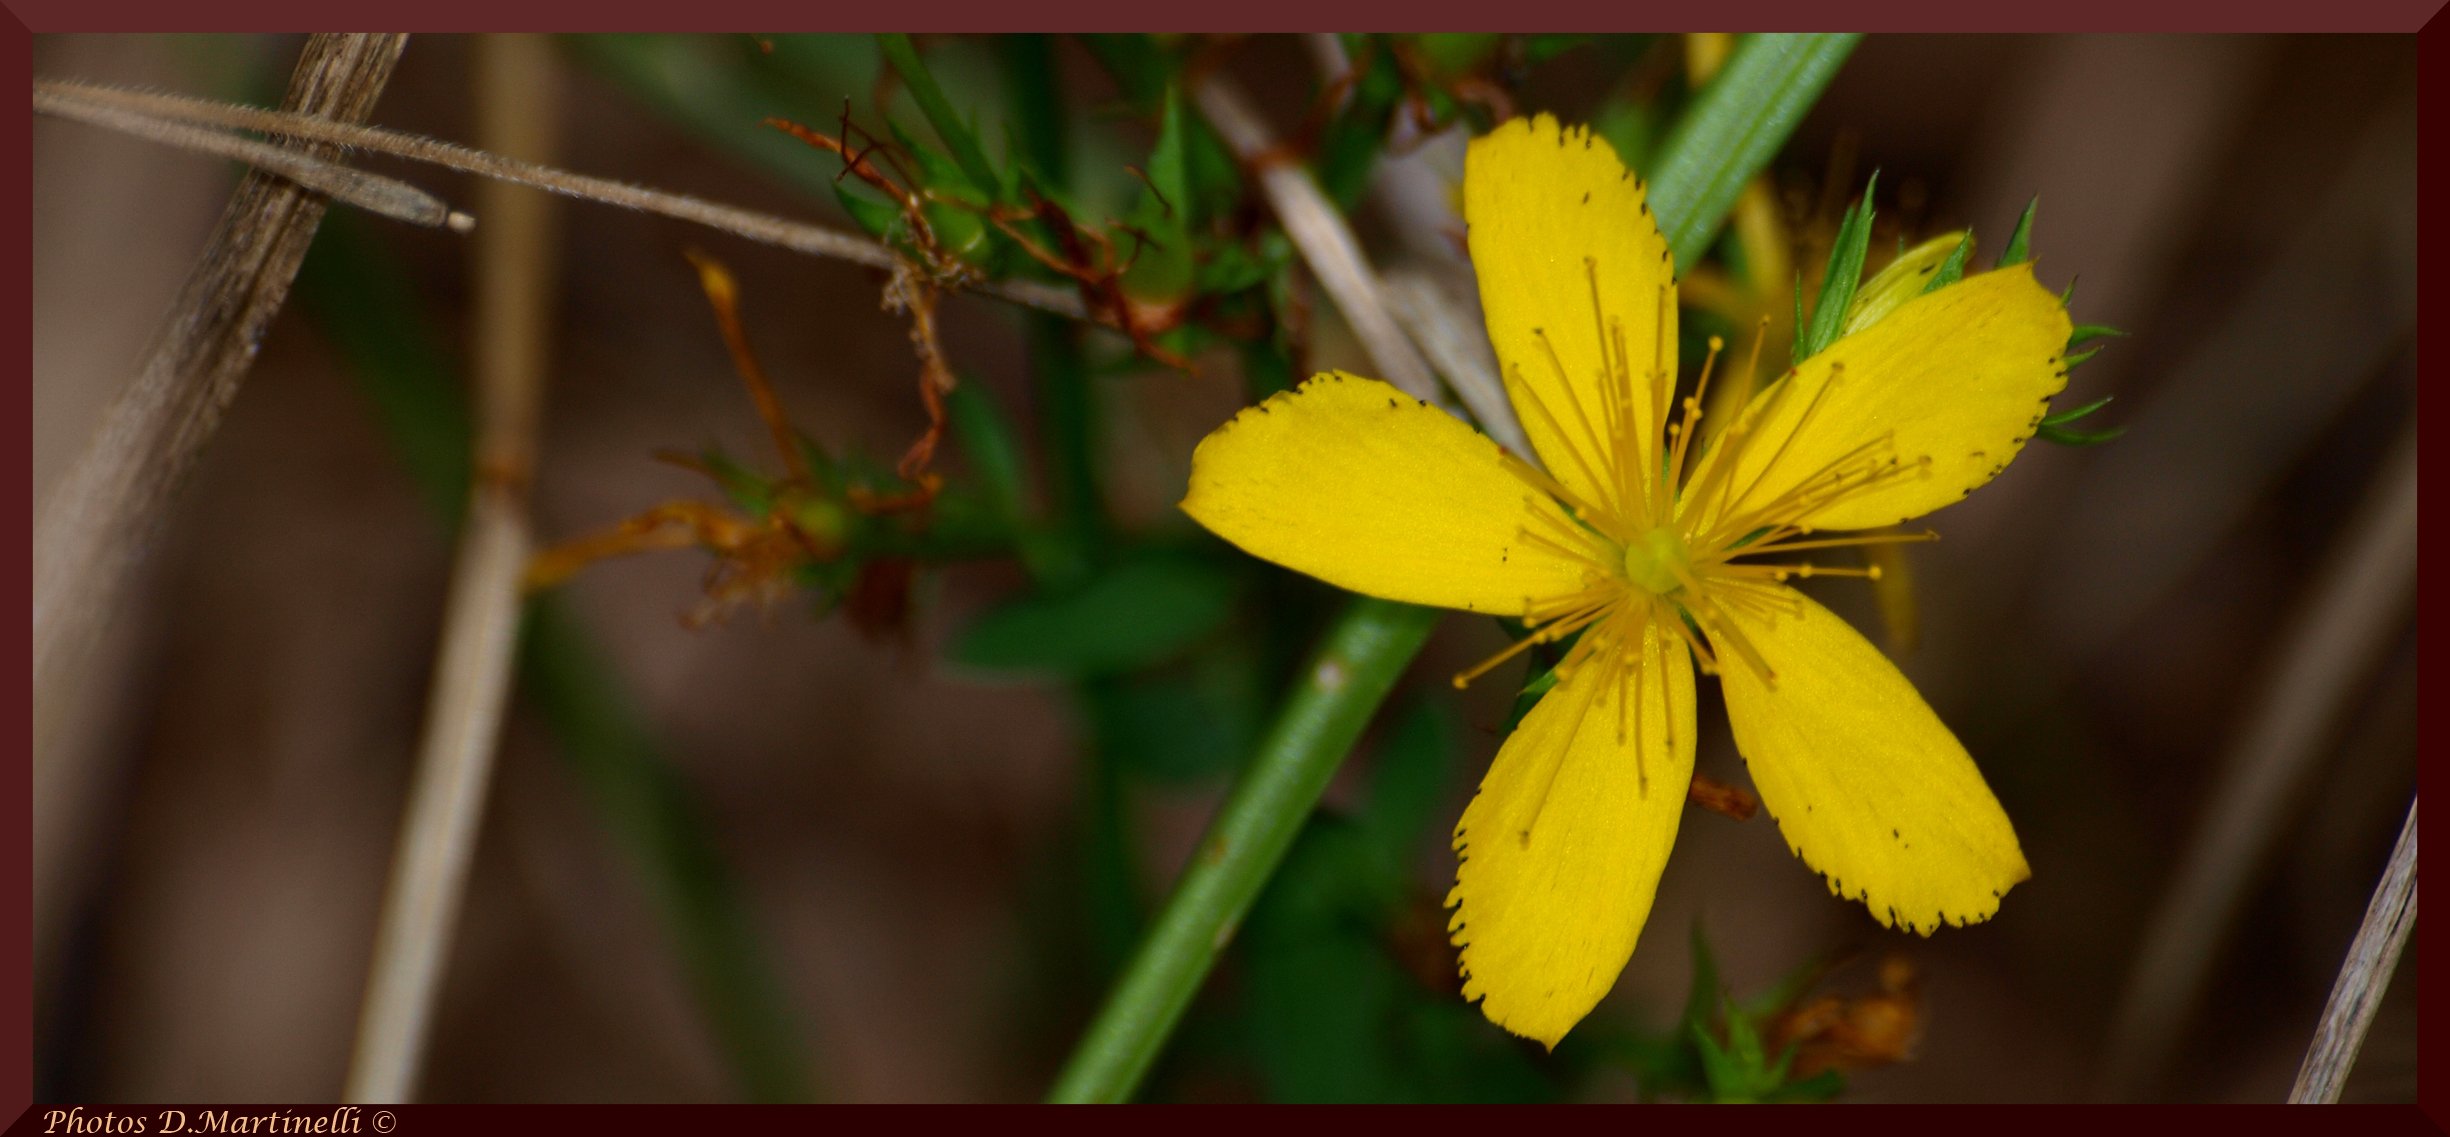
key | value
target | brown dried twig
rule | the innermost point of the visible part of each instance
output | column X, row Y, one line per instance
column 2364, row 978
column 92, row 526
column 2355, row 609
column 797, row 236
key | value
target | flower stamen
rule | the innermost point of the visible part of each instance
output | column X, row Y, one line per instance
column 1552, row 631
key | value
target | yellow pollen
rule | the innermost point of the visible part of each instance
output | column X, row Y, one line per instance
column 1657, row 562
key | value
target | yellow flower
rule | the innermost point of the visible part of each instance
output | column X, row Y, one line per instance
column 1663, row 559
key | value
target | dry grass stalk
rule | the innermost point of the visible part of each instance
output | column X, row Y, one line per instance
column 514, row 288
column 2354, row 612
column 1449, row 331
column 1318, row 230
column 764, row 228
column 94, row 525
column 2363, row 979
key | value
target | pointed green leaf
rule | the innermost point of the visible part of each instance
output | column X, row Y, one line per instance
column 936, row 172
column 1819, row 1087
column 948, row 124
column 2086, row 333
column 1162, row 267
column 1732, row 128
column 1702, row 997
column 1136, row 614
column 877, row 217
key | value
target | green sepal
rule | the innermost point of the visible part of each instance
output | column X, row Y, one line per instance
column 1952, row 270
column 2020, row 242
column 2064, row 417
column 1842, row 277
column 2086, row 333
column 2066, row 437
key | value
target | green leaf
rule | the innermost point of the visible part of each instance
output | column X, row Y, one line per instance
column 1184, row 722
column 1348, row 150
column 1722, row 1073
column 1135, row 614
column 1631, row 128
column 1408, row 788
column 1231, row 269
column 1819, row 1087
column 1702, row 996
column 1451, row 54
column 1135, row 61
column 361, row 300
column 1540, row 48
column 1732, row 129
column 877, row 217
column 707, row 86
column 749, row 492
column 2019, row 248
column 1162, row 270
column 903, row 56
column 986, row 437
column 1843, row 275
column 937, row 172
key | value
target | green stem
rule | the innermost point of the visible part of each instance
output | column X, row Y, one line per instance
column 1734, row 127
column 1355, row 667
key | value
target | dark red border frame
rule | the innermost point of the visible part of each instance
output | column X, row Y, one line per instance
column 2422, row 17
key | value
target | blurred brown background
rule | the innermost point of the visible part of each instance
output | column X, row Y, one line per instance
column 2101, row 626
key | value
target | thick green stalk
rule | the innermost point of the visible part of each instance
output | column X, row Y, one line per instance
column 1355, row 667
column 1735, row 125
column 1730, row 133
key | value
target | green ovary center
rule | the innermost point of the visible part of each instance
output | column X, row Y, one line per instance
column 1653, row 560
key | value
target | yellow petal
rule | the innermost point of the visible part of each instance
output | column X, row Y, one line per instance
column 1948, row 387
column 1903, row 280
column 1550, row 211
column 1866, row 783
column 1562, row 848
column 1360, row 485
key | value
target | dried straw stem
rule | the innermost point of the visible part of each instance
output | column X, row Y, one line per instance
column 1318, row 231
column 798, row 236
column 514, row 285
column 2363, row 979
column 2355, row 610
column 95, row 523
